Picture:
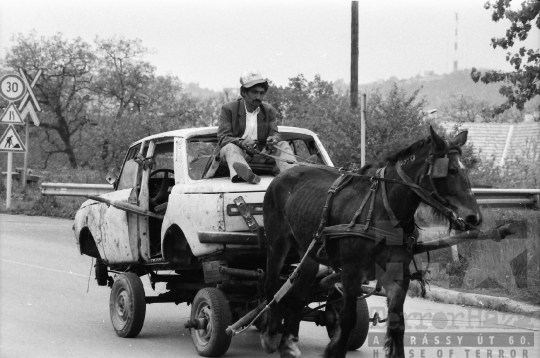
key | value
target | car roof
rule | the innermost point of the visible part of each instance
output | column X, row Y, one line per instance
column 190, row 132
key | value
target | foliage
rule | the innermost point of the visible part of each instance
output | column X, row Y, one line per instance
column 98, row 98
column 394, row 119
column 462, row 108
column 313, row 105
column 63, row 90
column 523, row 83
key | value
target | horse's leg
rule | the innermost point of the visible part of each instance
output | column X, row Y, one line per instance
column 396, row 292
column 352, row 278
column 296, row 300
column 279, row 246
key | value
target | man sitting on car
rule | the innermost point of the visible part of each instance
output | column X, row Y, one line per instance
column 247, row 124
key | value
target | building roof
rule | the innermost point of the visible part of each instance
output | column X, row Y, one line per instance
column 503, row 142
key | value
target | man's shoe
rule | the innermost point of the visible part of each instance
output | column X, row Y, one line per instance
column 244, row 172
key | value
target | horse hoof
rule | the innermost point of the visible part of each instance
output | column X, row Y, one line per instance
column 288, row 348
column 270, row 343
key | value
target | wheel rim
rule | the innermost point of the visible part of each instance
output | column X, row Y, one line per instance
column 204, row 335
column 122, row 309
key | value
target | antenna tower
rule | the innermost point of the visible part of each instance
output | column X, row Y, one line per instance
column 456, row 55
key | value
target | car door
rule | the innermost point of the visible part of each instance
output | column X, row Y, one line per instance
column 121, row 231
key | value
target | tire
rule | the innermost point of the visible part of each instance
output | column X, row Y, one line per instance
column 212, row 341
column 359, row 333
column 102, row 274
column 127, row 305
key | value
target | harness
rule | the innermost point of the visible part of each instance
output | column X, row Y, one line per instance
column 437, row 168
column 392, row 235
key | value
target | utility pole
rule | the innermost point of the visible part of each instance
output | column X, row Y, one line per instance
column 363, row 131
column 354, row 55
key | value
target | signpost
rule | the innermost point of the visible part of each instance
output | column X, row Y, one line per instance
column 26, row 111
column 14, row 88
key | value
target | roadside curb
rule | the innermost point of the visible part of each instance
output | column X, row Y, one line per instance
column 502, row 304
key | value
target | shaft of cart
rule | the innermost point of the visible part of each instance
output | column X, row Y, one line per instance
column 496, row 234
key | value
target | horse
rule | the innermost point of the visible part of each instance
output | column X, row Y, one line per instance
column 292, row 215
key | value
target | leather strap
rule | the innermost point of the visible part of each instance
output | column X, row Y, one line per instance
column 391, row 215
column 374, row 187
column 449, row 213
column 421, row 192
column 337, row 185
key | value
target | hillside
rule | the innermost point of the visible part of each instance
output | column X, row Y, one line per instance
column 438, row 89
column 435, row 89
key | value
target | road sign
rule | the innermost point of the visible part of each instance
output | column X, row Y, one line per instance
column 11, row 142
column 12, row 87
column 30, row 92
column 30, row 110
column 11, row 115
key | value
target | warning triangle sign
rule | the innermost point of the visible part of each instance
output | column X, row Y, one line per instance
column 11, row 142
column 11, row 115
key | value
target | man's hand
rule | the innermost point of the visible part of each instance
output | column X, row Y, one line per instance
column 248, row 144
column 271, row 142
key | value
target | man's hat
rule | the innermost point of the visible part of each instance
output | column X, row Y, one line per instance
column 251, row 78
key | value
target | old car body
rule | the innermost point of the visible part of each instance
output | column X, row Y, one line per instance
column 188, row 207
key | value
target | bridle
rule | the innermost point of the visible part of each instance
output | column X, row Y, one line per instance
column 436, row 168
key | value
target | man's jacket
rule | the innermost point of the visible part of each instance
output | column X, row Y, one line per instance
column 232, row 123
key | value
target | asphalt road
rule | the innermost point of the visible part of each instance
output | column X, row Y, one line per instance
column 47, row 309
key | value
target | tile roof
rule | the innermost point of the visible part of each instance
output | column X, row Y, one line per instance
column 489, row 139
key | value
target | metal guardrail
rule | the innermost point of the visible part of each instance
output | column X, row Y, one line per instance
column 508, row 198
column 491, row 198
column 72, row 189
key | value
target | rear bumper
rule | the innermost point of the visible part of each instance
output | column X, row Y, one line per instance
column 234, row 238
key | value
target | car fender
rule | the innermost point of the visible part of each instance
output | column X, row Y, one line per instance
column 87, row 218
column 193, row 213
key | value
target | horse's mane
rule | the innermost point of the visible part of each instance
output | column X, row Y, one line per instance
column 413, row 148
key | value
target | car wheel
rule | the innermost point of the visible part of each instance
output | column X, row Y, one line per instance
column 359, row 333
column 127, row 305
column 211, row 308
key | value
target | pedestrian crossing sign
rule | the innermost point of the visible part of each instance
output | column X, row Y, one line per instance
column 11, row 142
column 11, row 115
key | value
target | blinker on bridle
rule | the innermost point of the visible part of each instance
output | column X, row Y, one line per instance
column 438, row 168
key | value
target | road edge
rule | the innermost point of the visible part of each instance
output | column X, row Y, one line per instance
column 502, row 304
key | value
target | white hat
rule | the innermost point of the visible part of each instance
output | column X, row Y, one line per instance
column 251, row 78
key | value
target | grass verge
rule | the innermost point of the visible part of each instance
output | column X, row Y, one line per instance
column 510, row 268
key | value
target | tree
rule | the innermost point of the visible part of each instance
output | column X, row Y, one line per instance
column 64, row 89
column 460, row 108
column 314, row 105
column 393, row 121
column 163, row 107
column 123, row 75
column 97, row 99
column 524, row 83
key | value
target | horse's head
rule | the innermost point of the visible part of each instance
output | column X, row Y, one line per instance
column 435, row 164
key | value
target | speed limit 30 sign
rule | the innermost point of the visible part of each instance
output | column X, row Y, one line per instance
column 12, row 87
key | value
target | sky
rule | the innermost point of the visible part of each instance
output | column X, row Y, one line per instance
column 212, row 42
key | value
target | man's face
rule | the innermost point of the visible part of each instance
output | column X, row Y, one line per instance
column 254, row 96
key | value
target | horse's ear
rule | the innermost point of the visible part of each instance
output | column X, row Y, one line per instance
column 460, row 139
column 438, row 142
